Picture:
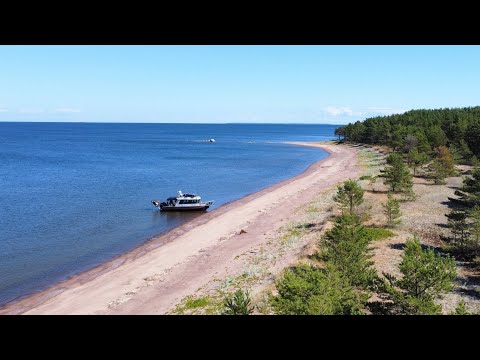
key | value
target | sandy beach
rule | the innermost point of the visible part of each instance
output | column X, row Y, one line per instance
column 154, row 277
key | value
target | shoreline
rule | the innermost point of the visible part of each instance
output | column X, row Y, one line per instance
column 129, row 262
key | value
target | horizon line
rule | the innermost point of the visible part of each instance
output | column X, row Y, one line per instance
column 186, row 123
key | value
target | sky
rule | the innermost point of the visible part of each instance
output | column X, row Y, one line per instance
column 224, row 84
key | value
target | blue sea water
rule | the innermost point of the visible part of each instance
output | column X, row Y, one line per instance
column 73, row 195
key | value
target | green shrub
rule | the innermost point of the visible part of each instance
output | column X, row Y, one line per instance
column 392, row 211
column 460, row 309
column 396, row 174
column 426, row 277
column 192, row 303
column 374, row 233
column 365, row 177
column 238, row 304
column 308, row 290
column 349, row 195
column 346, row 246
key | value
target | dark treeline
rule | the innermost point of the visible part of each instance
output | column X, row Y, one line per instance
column 459, row 129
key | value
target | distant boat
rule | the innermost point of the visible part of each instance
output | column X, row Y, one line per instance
column 211, row 140
column 182, row 202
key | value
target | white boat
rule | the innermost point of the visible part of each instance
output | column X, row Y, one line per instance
column 182, row 202
column 211, row 140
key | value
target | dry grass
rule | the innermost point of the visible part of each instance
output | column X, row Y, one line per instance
column 424, row 218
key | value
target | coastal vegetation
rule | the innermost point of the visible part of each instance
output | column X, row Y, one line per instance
column 425, row 130
column 392, row 211
column 345, row 280
column 349, row 196
column 311, row 290
column 397, row 176
column 378, row 250
column 464, row 218
column 435, row 145
column 426, row 276
column 238, row 304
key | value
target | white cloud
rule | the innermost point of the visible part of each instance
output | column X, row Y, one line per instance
column 66, row 111
column 366, row 112
column 334, row 110
column 342, row 110
column 386, row 110
column 2, row 110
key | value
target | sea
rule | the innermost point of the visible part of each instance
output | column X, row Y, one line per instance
column 74, row 195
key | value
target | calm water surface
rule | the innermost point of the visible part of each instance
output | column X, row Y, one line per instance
column 75, row 195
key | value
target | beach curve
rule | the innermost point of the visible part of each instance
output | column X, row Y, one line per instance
column 156, row 275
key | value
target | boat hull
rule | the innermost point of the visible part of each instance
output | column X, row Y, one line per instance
column 181, row 208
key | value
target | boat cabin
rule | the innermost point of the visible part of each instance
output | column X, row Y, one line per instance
column 183, row 202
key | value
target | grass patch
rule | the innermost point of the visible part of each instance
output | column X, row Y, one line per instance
column 193, row 303
column 366, row 177
column 374, row 233
column 205, row 304
column 368, row 155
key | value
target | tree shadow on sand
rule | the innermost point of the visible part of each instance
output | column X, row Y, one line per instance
column 374, row 191
column 305, row 226
column 401, row 246
column 469, row 284
column 451, row 205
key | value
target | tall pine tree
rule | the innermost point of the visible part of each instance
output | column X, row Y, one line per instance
column 392, row 211
column 349, row 195
column 396, row 175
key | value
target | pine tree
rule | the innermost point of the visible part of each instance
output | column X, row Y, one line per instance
column 412, row 153
column 446, row 159
column 425, row 273
column 308, row 290
column 469, row 193
column 461, row 153
column 465, row 151
column 392, row 210
column 411, row 143
column 349, row 195
column 347, row 247
column 416, row 160
column 473, row 243
column 340, row 132
column 437, row 172
column 436, row 137
column 396, row 175
column 464, row 222
column 442, row 166
column 474, row 215
column 456, row 154
column 457, row 223
column 426, row 277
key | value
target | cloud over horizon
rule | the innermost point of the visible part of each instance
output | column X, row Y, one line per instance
column 341, row 110
column 347, row 111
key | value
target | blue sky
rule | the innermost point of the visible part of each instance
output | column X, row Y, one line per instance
column 221, row 84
